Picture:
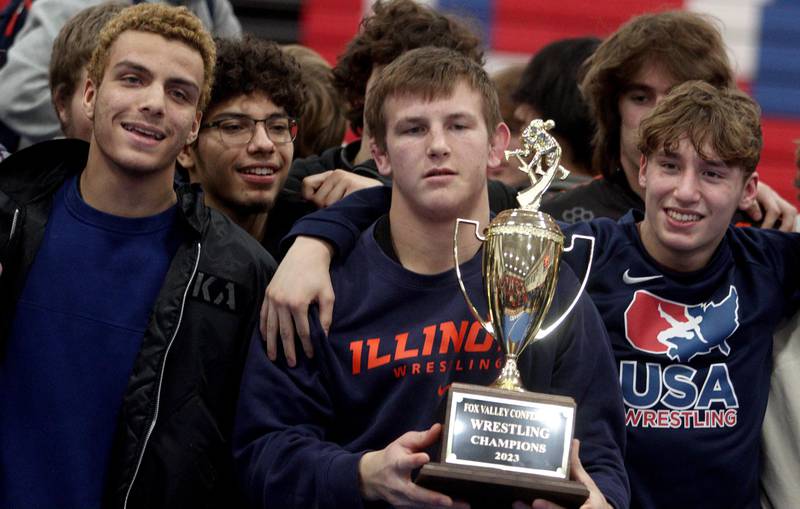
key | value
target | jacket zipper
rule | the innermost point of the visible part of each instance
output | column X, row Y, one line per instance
column 13, row 224
column 161, row 379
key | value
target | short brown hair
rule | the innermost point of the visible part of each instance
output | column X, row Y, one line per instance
column 395, row 27
column 686, row 44
column 322, row 121
column 73, row 47
column 431, row 73
column 726, row 119
column 172, row 23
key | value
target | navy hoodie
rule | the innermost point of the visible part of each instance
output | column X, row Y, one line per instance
column 398, row 339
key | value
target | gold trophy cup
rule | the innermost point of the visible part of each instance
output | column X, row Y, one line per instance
column 502, row 443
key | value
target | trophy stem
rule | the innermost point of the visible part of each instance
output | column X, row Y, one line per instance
column 509, row 378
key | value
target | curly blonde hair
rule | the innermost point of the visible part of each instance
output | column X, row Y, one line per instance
column 172, row 23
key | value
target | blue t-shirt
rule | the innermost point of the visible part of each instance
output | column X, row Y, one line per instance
column 75, row 335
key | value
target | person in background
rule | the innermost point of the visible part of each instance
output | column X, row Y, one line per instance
column 393, row 27
column 72, row 49
column 780, row 435
column 506, row 82
column 623, row 80
column 322, row 121
column 548, row 89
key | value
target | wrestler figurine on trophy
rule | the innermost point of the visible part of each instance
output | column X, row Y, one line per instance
column 520, row 447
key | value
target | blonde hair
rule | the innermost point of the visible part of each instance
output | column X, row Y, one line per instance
column 172, row 23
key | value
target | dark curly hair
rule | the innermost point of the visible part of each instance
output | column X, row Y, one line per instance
column 395, row 27
column 249, row 65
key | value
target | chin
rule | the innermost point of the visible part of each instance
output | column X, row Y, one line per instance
column 253, row 207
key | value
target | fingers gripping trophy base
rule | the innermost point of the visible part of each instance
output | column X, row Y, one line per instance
column 501, row 446
column 486, row 489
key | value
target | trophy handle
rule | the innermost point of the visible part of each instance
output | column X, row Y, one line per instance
column 543, row 332
column 486, row 325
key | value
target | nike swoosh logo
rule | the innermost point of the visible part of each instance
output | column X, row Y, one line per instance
column 632, row 280
column 443, row 389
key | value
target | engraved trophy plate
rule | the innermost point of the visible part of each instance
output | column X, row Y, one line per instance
column 502, row 443
column 524, row 435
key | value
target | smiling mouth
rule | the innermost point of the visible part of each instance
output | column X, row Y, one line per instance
column 144, row 131
column 683, row 217
column 258, row 172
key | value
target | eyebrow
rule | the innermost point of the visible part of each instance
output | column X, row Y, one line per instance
column 129, row 64
column 237, row 114
column 451, row 116
column 637, row 87
column 717, row 163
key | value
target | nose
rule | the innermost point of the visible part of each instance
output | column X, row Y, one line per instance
column 438, row 146
column 260, row 142
column 153, row 100
column 687, row 187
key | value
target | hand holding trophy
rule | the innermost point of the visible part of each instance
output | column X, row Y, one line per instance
column 502, row 443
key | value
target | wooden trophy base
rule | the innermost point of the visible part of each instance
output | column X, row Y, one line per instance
column 486, row 488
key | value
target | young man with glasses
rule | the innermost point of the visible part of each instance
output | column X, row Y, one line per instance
column 244, row 148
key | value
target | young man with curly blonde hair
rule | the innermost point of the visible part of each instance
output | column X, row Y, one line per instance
column 122, row 335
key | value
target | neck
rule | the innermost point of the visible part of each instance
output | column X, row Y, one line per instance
column 568, row 160
column 425, row 246
column 678, row 262
column 631, row 175
column 253, row 223
column 123, row 193
column 364, row 152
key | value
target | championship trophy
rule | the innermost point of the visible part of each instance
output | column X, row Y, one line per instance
column 501, row 443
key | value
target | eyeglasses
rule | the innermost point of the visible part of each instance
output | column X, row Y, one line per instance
column 238, row 131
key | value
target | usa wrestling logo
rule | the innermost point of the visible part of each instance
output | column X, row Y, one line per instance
column 681, row 331
column 677, row 395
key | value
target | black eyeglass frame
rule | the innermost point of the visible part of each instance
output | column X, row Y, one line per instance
column 293, row 128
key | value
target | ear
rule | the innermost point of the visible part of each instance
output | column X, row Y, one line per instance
column 498, row 143
column 186, row 158
column 89, row 98
column 381, row 158
column 60, row 105
column 198, row 117
column 749, row 192
column 643, row 171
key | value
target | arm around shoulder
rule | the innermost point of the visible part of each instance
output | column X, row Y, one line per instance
column 586, row 370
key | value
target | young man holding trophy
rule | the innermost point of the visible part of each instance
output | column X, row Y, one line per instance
column 354, row 422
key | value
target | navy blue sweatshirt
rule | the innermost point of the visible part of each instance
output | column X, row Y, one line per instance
column 398, row 339
column 693, row 350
